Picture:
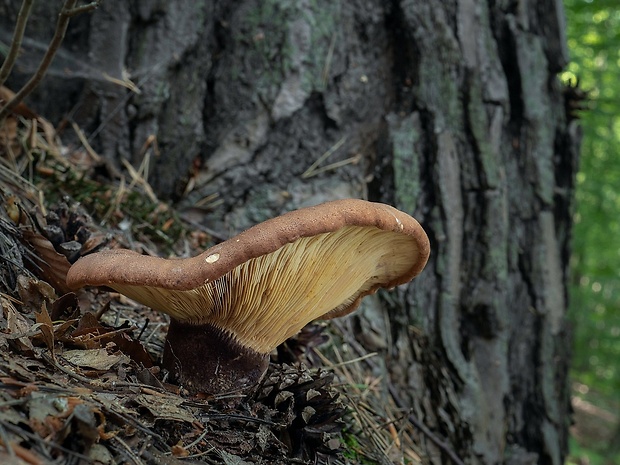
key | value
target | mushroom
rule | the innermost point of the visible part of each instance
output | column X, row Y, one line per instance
column 231, row 305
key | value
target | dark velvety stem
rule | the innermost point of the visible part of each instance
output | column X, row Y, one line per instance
column 202, row 358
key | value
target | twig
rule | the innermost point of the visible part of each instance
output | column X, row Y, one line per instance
column 332, row 166
column 68, row 10
column 341, row 363
column 104, row 308
column 311, row 171
column 42, row 442
column 144, row 326
column 82, row 9
column 7, row 444
column 198, row 439
column 139, row 177
column 328, row 60
column 125, row 82
column 16, row 42
column 232, row 416
column 20, row 454
column 147, row 76
column 89, row 149
column 152, row 333
column 9, row 403
column 68, row 372
column 128, row 451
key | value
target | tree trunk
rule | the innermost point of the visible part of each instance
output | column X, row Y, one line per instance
column 451, row 111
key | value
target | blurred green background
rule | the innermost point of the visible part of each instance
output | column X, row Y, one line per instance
column 593, row 28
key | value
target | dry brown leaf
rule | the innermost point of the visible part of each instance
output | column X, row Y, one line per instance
column 61, row 330
column 25, row 455
column 91, row 334
column 17, row 326
column 6, row 95
column 83, row 422
column 7, row 305
column 65, row 307
column 167, row 407
column 8, row 136
column 46, row 326
column 45, row 413
column 34, row 292
column 52, row 266
column 179, row 451
column 97, row 359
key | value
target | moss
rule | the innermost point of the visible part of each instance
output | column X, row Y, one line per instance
column 440, row 90
column 148, row 219
column 536, row 111
column 352, row 450
column 322, row 19
column 479, row 125
column 496, row 239
column 259, row 35
column 405, row 135
column 279, row 45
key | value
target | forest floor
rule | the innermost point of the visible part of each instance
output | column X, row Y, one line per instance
column 595, row 428
column 79, row 374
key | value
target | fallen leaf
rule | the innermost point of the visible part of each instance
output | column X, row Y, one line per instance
column 101, row 455
column 51, row 266
column 6, row 95
column 17, row 327
column 65, row 307
column 23, row 454
column 33, row 292
column 91, row 334
column 134, row 349
column 45, row 413
column 164, row 407
column 97, row 359
column 61, row 330
column 179, row 451
column 230, row 459
column 84, row 423
column 46, row 326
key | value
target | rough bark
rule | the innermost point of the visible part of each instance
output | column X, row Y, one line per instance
column 450, row 110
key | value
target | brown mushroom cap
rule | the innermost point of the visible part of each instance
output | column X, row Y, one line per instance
column 263, row 285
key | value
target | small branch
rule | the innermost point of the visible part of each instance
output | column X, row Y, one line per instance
column 4, row 438
column 68, row 10
column 311, row 171
column 82, row 9
column 16, row 42
column 127, row 450
column 42, row 444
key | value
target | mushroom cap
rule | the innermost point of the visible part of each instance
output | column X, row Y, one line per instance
column 263, row 285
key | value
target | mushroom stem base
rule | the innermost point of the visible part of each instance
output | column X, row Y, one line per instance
column 203, row 358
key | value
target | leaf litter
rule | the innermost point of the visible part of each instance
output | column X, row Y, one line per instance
column 79, row 379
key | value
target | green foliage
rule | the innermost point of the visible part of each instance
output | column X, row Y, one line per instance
column 594, row 41
column 352, row 448
column 594, row 458
column 305, row 48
